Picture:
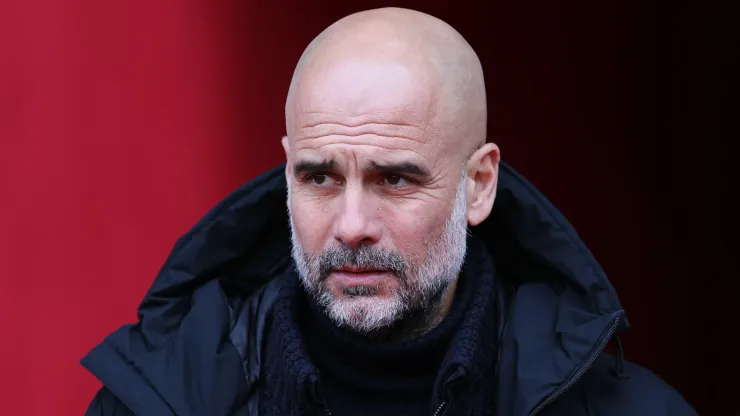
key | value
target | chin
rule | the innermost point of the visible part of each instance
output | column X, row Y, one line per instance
column 365, row 314
column 383, row 287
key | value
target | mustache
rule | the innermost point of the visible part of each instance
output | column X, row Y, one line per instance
column 369, row 257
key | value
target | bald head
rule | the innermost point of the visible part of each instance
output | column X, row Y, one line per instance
column 386, row 167
column 397, row 66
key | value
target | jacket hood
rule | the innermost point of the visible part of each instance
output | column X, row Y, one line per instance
column 183, row 355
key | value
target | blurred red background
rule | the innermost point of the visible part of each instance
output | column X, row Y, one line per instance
column 121, row 123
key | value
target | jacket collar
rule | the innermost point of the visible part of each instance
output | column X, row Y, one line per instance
column 559, row 306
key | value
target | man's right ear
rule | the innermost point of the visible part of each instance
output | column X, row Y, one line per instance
column 286, row 147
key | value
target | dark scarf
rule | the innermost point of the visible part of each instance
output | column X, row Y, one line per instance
column 311, row 364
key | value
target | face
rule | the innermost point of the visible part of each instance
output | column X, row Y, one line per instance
column 377, row 198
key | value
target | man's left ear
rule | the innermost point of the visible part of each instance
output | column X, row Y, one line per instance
column 482, row 181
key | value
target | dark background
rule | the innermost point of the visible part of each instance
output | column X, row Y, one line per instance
column 122, row 123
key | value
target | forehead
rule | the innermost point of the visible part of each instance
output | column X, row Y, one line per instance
column 360, row 91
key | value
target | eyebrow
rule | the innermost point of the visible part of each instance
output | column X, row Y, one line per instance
column 409, row 168
column 307, row 166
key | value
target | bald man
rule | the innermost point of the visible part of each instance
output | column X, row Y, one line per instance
column 414, row 274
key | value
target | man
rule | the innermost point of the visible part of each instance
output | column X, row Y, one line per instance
column 415, row 273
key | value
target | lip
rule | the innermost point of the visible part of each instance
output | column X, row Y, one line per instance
column 361, row 276
column 355, row 269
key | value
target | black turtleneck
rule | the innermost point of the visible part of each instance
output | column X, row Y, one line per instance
column 370, row 377
column 313, row 363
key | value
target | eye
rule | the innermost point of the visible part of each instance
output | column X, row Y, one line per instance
column 320, row 179
column 393, row 179
column 396, row 181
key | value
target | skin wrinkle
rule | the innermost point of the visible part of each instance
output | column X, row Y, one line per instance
column 387, row 86
column 367, row 122
column 336, row 135
column 358, row 125
column 326, row 129
column 303, row 146
column 390, row 130
column 354, row 101
column 429, row 185
column 429, row 189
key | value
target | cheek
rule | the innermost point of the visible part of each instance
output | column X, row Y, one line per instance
column 414, row 229
column 311, row 224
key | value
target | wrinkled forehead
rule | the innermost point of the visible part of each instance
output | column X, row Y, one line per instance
column 360, row 91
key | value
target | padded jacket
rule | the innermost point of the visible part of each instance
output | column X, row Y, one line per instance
column 198, row 344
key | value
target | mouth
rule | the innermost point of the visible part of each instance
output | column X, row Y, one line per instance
column 352, row 275
column 357, row 269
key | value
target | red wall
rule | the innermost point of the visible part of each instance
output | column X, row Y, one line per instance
column 122, row 123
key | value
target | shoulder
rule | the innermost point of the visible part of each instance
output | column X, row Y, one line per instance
column 105, row 403
column 638, row 391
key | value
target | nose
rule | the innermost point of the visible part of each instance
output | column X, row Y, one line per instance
column 356, row 224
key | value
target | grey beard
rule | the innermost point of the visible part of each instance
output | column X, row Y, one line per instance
column 359, row 291
column 422, row 285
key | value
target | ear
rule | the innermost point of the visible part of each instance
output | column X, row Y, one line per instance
column 286, row 147
column 482, row 181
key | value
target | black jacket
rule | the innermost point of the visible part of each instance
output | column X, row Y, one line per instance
column 197, row 346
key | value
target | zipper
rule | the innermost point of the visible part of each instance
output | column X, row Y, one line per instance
column 559, row 392
column 436, row 413
column 439, row 409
